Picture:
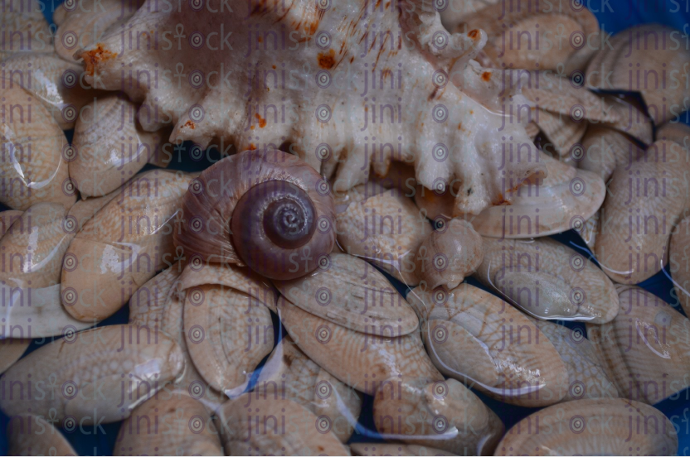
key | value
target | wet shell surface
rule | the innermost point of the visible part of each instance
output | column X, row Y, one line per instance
column 548, row 280
column 91, row 370
column 481, row 340
column 592, row 427
column 646, row 348
column 34, row 435
column 353, row 294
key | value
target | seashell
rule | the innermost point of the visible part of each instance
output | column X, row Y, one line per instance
column 189, row 429
column 587, row 376
column 86, row 22
column 548, row 280
column 263, row 209
column 33, row 435
column 678, row 133
column 382, row 226
column 123, row 245
column 330, row 126
column 34, row 247
column 562, row 131
column 645, row 199
column 449, row 254
column 633, row 119
column 35, row 170
column 360, row 360
column 507, row 27
column 90, row 371
column 611, row 68
column 109, row 146
column 381, row 449
column 532, row 129
column 646, row 347
column 563, row 200
column 678, row 265
column 603, row 149
column 227, row 332
column 592, row 427
column 25, row 29
column 12, row 349
column 476, row 337
column 289, row 428
column 56, row 83
column 446, row 415
column 352, row 294
column 289, row 374
column 589, row 230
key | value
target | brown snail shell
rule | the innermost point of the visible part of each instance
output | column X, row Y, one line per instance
column 266, row 209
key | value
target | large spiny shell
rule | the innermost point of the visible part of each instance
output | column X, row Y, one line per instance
column 646, row 348
column 124, row 245
column 109, row 146
column 351, row 293
column 326, row 124
column 33, row 168
column 288, row 373
column 360, row 360
column 91, row 370
column 644, row 59
column 186, row 429
column 34, row 435
column 645, row 199
column 592, row 427
column 445, row 414
column 478, row 338
column 548, row 280
column 288, row 428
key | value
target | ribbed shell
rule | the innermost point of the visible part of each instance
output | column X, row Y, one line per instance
column 592, row 427
column 561, row 130
column 91, row 370
column 479, row 339
column 603, row 149
column 33, row 435
column 24, row 19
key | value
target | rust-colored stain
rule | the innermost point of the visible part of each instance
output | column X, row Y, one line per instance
column 460, row 126
column 252, row 147
column 274, row 67
column 474, row 34
column 486, row 76
column 327, row 59
column 500, row 201
column 262, row 121
column 96, row 56
column 190, row 124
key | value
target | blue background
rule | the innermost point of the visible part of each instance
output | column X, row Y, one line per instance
column 613, row 16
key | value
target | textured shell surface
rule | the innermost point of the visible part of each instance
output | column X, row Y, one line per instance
column 34, row 435
column 330, row 120
column 381, row 449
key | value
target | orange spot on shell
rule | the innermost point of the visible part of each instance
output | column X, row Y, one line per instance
column 95, row 56
column 327, row 59
column 252, row 147
column 474, row 34
column 262, row 121
column 190, row 124
column 460, row 126
column 486, row 76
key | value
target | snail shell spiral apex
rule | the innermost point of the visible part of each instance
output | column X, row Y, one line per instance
column 267, row 210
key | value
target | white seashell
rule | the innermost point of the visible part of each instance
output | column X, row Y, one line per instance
column 34, row 435
column 381, row 449
column 603, row 149
column 25, row 29
column 11, row 350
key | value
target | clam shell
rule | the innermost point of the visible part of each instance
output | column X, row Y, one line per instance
column 587, row 375
column 188, row 429
column 289, row 374
column 37, row 171
column 384, row 228
column 603, row 149
column 646, row 347
column 548, row 280
column 589, row 230
column 680, row 270
column 592, row 427
column 33, row 435
column 632, row 118
column 563, row 200
column 641, row 59
column 25, row 29
column 507, row 27
column 678, row 133
column 644, row 201
column 133, row 234
column 351, row 293
column 289, row 428
column 562, row 131
column 479, row 339
column 447, row 415
column 532, row 129
column 381, row 449
column 91, row 370
column 227, row 334
column 12, row 349
column 56, row 83
column 110, row 146
column 449, row 254
column 360, row 360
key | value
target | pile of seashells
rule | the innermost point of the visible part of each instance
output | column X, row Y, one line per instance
column 370, row 156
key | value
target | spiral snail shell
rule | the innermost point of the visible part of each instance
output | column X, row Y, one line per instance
column 265, row 209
